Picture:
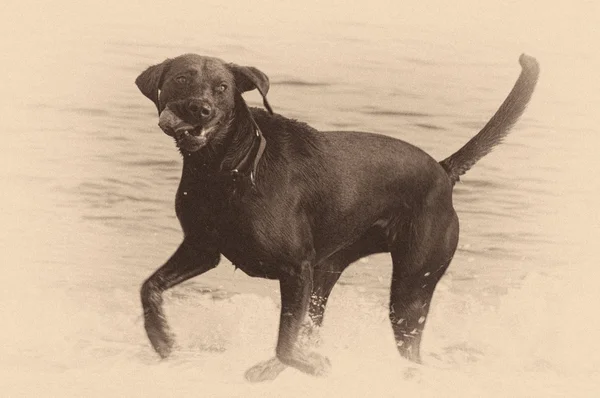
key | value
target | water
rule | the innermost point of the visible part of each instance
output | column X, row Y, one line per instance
column 89, row 180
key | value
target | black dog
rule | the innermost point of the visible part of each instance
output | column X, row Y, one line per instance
column 284, row 201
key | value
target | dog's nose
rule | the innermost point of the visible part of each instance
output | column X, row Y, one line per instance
column 200, row 109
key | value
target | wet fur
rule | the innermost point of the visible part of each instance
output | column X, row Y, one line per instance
column 321, row 201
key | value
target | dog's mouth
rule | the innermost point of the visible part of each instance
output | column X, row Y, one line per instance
column 192, row 138
column 188, row 137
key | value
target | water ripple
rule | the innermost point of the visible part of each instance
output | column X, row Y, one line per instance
column 300, row 83
column 428, row 126
column 387, row 112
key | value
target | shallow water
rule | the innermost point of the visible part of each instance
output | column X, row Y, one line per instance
column 89, row 180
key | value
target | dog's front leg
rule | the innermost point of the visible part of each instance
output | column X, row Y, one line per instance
column 296, row 287
column 296, row 290
column 188, row 261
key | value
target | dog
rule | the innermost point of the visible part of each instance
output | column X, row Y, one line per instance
column 284, row 201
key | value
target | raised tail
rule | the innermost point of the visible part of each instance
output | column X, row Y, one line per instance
column 499, row 125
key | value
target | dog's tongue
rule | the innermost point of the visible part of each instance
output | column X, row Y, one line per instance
column 171, row 123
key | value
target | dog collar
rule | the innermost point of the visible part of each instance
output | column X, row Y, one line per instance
column 255, row 153
column 253, row 156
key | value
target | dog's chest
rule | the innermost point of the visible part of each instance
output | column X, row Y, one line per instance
column 241, row 241
column 247, row 241
column 249, row 262
column 238, row 225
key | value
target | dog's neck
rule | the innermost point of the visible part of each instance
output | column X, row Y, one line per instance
column 247, row 144
column 234, row 154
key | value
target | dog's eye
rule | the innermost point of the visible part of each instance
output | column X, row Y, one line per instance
column 181, row 79
column 222, row 87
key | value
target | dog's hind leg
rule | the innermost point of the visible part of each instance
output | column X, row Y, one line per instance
column 420, row 258
column 325, row 278
column 327, row 274
column 187, row 262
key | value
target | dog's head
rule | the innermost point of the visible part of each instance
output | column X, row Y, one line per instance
column 196, row 96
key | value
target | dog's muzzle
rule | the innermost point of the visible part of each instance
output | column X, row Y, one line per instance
column 188, row 137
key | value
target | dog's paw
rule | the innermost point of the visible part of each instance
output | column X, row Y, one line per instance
column 162, row 341
column 265, row 371
column 413, row 373
column 317, row 364
column 308, row 362
column 164, row 347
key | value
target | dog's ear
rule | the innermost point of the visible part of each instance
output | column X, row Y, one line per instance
column 150, row 81
column 248, row 78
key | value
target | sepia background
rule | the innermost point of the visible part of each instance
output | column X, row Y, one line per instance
column 87, row 184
